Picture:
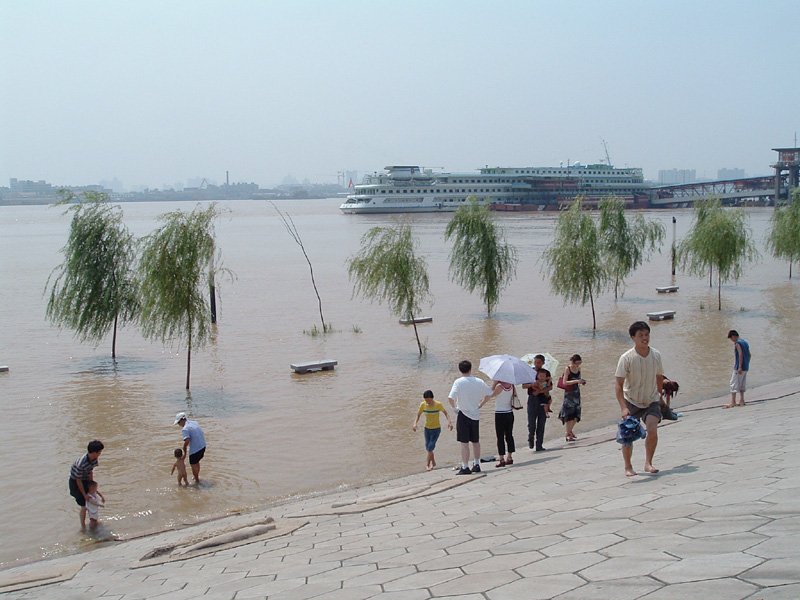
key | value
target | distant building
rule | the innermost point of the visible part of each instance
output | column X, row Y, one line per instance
column 668, row 176
column 731, row 174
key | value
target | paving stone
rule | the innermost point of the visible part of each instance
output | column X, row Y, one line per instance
column 581, row 545
column 342, row 574
column 404, row 595
column 304, row 592
column 543, row 588
column 775, row 571
column 717, row 527
column 474, row 583
column 458, row 560
column 784, row 526
column 616, row 568
column 777, row 547
column 618, row 589
column 733, row 542
column 705, row 567
column 503, row 562
column 379, row 576
column 426, row 579
column 727, row 589
column 780, row 592
column 560, row 565
column 267, row 588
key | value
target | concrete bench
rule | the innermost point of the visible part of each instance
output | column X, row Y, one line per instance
column 667, row 289
column 316, row 365
column 3, row 369
column 419, row 320
column 661, row 315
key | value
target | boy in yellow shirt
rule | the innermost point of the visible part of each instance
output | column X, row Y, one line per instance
column 433, row 428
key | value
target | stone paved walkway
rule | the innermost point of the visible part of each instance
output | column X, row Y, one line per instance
column 720, row 521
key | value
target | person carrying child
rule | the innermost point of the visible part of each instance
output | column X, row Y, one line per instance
column 539, row 402
column 538, row 411
column 433, row 427
column 180, row 466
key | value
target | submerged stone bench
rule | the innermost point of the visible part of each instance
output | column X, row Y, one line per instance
column 317, row 365
column 661, row 315
column 667, row 289
column 3, row 369
column 419, row 320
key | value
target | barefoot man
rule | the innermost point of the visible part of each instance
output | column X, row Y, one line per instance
column 640, row 377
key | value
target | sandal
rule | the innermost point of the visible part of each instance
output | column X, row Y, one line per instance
column 502, row 463
column 510, row 461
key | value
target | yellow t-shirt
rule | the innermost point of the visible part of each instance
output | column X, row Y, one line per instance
column 431, row 414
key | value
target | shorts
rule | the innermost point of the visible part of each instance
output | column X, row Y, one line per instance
column 642, row 413
column 467, row 430
column 76, row 493
column 195, row 458
column 738, row 382
column 431, row 435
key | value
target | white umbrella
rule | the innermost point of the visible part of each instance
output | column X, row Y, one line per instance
column 507, row 368
column 550, row 363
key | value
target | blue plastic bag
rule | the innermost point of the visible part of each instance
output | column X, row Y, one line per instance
column 630, row 430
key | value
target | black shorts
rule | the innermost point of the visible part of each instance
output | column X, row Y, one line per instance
column 76, row 493
column 467, row 430
column 195, row 458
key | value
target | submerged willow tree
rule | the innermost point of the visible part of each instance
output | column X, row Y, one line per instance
column 291, row 229
column 574, row 258
column 178, row 261
column 719, row 240
column 93, row 291
column 480, row 259
column 387, row 268
column 625, row 242
column 783, row 240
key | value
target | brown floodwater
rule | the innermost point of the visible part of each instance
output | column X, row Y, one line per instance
column 273, row 434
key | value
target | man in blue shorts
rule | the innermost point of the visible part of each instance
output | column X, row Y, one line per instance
column 467, row 396
column 194, row 440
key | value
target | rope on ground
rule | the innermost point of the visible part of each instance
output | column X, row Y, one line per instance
column 758, row 401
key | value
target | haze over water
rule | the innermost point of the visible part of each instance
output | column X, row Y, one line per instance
column 271, row 433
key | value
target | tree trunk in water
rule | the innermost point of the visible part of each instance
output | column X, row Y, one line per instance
column 719, row 292
column 416, row 333
column 189, row 357
column 594, row 320
column 790, row 269
column 212, row 289
column 114, row 337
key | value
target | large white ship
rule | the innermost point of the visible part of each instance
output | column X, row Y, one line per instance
column 404, row 189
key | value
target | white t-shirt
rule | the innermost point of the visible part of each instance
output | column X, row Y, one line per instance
column 502, row 402
column 468, row 393
column 92, row 509
column 640, row 387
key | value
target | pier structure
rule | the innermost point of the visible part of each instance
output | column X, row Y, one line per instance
column 787, row 173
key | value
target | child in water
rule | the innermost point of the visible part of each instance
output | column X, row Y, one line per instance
column 180, row 465
column 94, row 500
column 433, row 428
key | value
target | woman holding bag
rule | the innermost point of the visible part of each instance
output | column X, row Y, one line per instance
column 570, row 382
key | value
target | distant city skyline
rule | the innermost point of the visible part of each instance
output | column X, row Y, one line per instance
column 155, row 93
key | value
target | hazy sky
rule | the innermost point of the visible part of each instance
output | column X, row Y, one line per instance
column 156, row 92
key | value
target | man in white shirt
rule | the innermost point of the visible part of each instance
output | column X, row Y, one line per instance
column 640, row 378
column 467, row 396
